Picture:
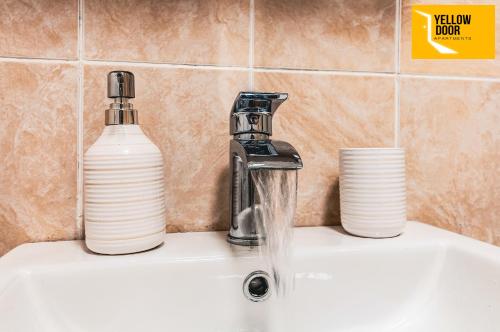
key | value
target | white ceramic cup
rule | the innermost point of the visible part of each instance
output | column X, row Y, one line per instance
column 373, row 191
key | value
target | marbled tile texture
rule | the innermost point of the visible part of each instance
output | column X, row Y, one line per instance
column 324, row 113
column 37, row 153
column 188, row 31
column 451, row 132
column 39, row 28
column 325, row 34
column 186, row 113
column 450, row 127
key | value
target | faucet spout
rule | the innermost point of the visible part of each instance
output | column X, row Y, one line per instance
column 247, row 156
column 266, row 154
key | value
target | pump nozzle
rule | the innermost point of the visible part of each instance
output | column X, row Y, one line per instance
column 121, row 84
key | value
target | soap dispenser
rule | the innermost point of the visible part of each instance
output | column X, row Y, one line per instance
column 124, row 187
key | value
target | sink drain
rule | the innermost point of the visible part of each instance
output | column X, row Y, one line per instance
column 256, row 286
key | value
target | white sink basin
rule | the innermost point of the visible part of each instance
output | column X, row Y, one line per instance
column 425, row 280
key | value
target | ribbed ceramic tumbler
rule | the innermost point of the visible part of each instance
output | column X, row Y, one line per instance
column 373, row 191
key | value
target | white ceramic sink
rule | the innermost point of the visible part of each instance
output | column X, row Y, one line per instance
column 425, row 280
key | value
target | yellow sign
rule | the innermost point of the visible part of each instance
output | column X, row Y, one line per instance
column 453, row 31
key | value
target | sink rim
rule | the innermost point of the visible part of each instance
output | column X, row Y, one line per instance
column 212, row 245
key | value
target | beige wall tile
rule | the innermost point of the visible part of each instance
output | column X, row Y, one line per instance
column 325, row 34
column 449, row 67
column 39, row 28
column 450, row 131
column 448, row 126
column 186, row 113
column 190, row 31
column 37, row 153
column 325, row 113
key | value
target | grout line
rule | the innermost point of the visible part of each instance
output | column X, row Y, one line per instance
column 256, row 69
column 79, row 180
column 397, row 113
column 37, row 60
column 162, row 65
column 451, row 77
column 322, row 72
column 397, row 80
column 251, row 46
column 238, row 68
column 397, row 37
column 166, row 64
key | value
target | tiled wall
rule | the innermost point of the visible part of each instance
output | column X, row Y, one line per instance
column 346, row 65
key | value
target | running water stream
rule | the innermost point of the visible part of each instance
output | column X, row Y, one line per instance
column 277, row 199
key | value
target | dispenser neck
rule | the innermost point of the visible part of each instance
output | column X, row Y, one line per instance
column 121, row 112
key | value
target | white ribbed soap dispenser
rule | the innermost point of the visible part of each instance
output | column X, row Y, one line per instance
column 124, row 182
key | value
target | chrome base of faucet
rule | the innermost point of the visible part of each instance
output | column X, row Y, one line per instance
column 249, row 242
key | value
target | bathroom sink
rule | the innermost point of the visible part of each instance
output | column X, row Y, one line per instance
column 427, row 279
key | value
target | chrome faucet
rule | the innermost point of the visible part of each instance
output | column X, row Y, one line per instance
column 252, row 149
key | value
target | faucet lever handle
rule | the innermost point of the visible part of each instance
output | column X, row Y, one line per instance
column 258, row 102
column 276, row 100
column 252, row 112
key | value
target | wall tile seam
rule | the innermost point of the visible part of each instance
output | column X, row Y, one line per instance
column 397, row 37
column 255, row 69
column 251, row 44
column 7, row 58
column 450, row 77
column 397, row 110
column 79, row 162
column 397, row 81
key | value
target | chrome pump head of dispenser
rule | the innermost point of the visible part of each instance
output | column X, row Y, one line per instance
column 121, row 89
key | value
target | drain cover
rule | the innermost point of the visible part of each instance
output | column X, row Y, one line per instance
column 256, row 286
